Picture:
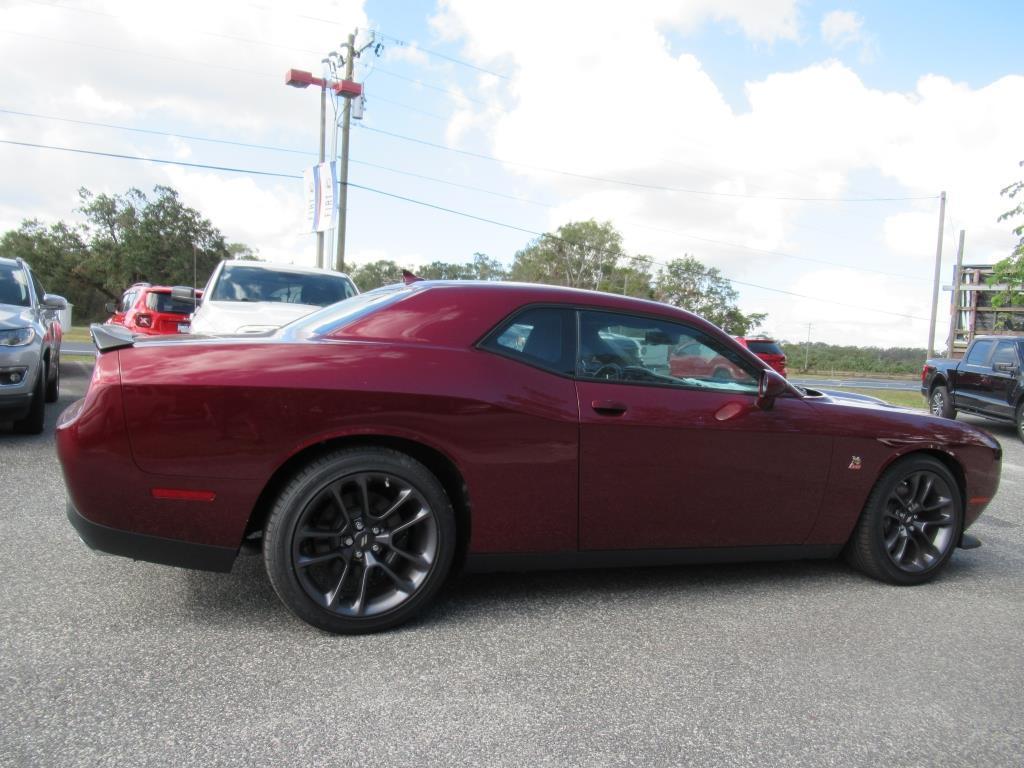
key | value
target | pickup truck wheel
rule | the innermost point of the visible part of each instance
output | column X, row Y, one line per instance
column 941, row 404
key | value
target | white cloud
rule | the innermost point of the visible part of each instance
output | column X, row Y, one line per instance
column 819, row 131
column 841, row 28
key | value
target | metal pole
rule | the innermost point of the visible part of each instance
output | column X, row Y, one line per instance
column 955, row 313
column 935, row 282
column 807, row 348
column 323, row 136
column 339, row 262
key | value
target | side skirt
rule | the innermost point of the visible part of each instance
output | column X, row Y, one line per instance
column 638, row 558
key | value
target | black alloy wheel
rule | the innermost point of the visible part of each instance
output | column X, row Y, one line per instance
column 910, row 524
column 360, row 540
column 940, row 404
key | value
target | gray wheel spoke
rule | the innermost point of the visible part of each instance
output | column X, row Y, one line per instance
column 901, row 548
column 924, row 489
column 940, row 504
column 359, row 606
column 365, row 492
column 419, row 561
column 419, row 517
column 332, row 597
column 313, row 533
column 336, row 494
column 890, row 540
column 403, row 496
column 305, row 561
column 403, row 585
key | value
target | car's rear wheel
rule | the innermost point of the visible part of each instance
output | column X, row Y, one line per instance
column 941, row 404
column 53, row 382
column 359, row 540
column 32, row 424
column 910, row 524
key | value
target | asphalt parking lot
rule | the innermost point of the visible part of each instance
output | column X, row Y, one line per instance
column 110, row 662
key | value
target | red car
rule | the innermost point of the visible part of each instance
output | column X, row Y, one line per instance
column 151, row 310
column 371, row 447
column 768, row 350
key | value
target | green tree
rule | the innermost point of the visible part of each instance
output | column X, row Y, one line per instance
column 374, row 274
column 580, row 254
column 688, row 284
column 242, row 252
column 1010, row 271
column 482, row 267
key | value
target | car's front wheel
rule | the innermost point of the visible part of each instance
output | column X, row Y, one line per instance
column 910, row 524
column 53, row 382
column 359, row 540
column 941, row 404
column 34, row 420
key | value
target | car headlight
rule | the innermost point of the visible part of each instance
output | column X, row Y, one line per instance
column 17, row 337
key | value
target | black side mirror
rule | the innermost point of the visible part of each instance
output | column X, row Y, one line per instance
column 109, row 308
column 770, row 386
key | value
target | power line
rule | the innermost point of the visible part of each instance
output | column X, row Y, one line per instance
column 438, row 88
column 437, row 54
column 641, row 185
column 642, row 259
column 425, row 204
column 150, row 159
column 447, row 182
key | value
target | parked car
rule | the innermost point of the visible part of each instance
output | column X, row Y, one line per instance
column 376, row 444
column 154, row 309
column 256, row 297
column 30, row 336
column 767, row 349
column 988, row 381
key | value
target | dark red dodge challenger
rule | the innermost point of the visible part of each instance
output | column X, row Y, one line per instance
column 371, row 447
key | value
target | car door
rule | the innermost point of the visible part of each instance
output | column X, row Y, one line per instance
column 688, row 461
column 1002, row 390
column 974, row 377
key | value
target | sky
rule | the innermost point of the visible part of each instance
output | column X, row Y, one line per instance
column 799, row 147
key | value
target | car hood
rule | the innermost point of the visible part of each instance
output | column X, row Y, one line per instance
column 13, row 316
column 214, row 317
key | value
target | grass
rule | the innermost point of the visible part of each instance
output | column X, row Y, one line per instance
column 77, row 333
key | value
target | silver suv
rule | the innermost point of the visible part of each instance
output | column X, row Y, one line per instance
column 30, row 336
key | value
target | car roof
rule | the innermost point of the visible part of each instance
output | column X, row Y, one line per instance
column 271, row 266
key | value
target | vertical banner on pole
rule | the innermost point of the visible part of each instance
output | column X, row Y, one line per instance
column 319, row 185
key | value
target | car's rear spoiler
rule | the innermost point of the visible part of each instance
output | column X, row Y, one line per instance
column 108, row 337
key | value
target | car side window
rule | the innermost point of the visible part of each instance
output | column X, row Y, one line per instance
column 543, row 337
column 979, row 353
column 643, row 350
column 38, row 289
column 1006, row 352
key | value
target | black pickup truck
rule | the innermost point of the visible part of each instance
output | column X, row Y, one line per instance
column 987, row 382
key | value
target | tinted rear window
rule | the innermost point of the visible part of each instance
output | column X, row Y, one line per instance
column 164, row 302
column 764, row 347
column 242, row 283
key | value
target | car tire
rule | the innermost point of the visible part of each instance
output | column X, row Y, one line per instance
column 359, row 540
column 1019, row 420
column 940, row 403
column 910, row 525
column 53, row 384
column 33, row 422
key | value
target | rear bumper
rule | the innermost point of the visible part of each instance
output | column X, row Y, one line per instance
column 153, row 549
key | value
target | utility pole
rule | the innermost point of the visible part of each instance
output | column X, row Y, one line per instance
column 323, row 147
column 807, row 348
column 955, row 313
column 935, row 282
column 339, row 261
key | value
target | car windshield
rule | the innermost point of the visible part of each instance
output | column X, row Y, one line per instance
column 245, row 283
column 331, row 318
column 164, row 302
column 14, row 286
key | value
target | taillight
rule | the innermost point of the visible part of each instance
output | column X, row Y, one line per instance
column 924, row 372
column 144, row 321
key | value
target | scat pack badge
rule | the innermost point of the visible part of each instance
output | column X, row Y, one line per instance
column 854, row 462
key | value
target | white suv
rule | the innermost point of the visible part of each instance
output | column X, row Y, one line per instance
column 255, row 296
column 30, row 338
